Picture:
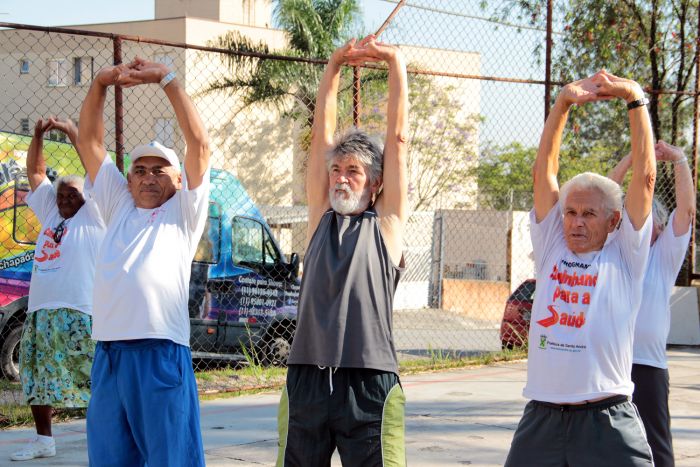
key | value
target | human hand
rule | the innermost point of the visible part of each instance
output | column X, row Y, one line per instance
column 66, row 126
column 142, row 71
column 109, row 76
column 614, row 86
column 339, row 56
column 371, row 50
column 667, row 152
column 40, row 127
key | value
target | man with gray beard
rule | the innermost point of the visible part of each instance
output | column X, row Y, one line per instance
column 343, row 387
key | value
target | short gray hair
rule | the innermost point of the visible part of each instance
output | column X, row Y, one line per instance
column 75, row 180
column 358, row 144
column 659, row 213
column 612, row 193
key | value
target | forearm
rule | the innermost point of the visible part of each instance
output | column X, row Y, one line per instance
column 395, row 192
column 617, row 174
column 641, row 188
column 196, row 136
column 323, row 127
column 546, row 167
column 36, row 166
column 685, row 194
column 90, row 138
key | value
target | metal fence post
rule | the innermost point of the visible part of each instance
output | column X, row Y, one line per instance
column 694, row 156
column 548, row 61
column 118, row 109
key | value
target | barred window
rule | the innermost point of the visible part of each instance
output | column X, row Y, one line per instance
column 24, row 67
column 24, row 126
column 58, row 72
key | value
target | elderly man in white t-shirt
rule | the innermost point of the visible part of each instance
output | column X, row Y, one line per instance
column 588, row 291
column 668, row 249
column 144, row 407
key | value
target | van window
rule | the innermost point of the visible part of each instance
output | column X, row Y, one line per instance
column 209, row 245
column 247, row 241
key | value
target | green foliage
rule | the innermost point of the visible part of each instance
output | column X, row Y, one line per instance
column 650, row 41
column 504, row 173
column 314, row 29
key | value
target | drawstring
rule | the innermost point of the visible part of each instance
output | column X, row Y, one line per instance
column 106, row 346
column 331, row 370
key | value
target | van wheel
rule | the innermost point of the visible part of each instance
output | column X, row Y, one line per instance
column 277, row 350
column 9, row 354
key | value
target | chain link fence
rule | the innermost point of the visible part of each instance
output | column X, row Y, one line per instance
column 477, row 92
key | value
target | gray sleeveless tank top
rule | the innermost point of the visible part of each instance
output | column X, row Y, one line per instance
column 346, row 297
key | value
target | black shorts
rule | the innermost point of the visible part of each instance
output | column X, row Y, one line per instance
column 359, row 411
column 651, row 398
column 607, row 433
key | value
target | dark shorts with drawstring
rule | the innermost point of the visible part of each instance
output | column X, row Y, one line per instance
column 144, row 407
column 359, row 411
column 607, row 433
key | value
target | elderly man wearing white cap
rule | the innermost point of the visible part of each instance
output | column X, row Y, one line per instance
column 144, row 407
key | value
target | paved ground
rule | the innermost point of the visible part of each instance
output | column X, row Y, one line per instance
column 464, row 417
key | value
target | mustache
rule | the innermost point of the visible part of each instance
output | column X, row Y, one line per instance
column 343, row 187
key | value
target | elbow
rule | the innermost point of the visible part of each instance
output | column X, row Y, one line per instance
column 650, row 179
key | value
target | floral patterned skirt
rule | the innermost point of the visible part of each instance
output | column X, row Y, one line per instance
column 55, row 358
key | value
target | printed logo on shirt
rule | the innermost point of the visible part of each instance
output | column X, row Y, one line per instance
column 566, row 319
column 50, row 250
column 565, row 281
column 543, row 341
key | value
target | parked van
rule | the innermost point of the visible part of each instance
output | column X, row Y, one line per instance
column 243, row 290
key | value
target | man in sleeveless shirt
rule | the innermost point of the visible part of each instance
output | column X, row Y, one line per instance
column 343, row 388
column 144, row 408
column 589, row 286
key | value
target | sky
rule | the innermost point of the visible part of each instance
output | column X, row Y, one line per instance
column 496, row 45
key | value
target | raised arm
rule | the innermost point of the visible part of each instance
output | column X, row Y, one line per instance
column 36, row 165
column 617, row 174
column 322, row 131
column 91, row 127
column 546, row 167
column 392, row 203
column 685, row 194
column 196, row 137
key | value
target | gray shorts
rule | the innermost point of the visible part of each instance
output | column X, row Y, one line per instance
column 604, row 433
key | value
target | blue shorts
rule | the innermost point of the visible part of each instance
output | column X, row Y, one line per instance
column 144, row 407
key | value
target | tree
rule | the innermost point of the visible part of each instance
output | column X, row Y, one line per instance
column 314, row 28
column 504, row 173
column 651, row 41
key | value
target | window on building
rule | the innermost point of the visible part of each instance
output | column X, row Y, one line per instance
column 55, row 135
column 24, row 67
column 82, row 70
column 24, row 126
column 164, row 130
column 59, row 72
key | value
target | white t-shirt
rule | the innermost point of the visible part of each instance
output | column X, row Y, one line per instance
column 143, row 268
column 583, row 314
column 654, row 318
column 63, row 273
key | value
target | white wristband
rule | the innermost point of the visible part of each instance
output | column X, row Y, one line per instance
column 683, row 160
column 167, row 79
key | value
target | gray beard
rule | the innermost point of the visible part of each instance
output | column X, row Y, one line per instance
column 354, row 203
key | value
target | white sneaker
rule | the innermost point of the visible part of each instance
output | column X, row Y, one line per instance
column 35, row 449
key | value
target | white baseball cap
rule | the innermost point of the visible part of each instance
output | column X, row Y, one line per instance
column 155, row 149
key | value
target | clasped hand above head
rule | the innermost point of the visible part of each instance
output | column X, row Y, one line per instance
column 600, row 86
column 366, row 50
column 54, row 123
column 139, row 71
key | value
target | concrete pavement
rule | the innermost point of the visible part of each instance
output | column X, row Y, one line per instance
column 462, row 417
